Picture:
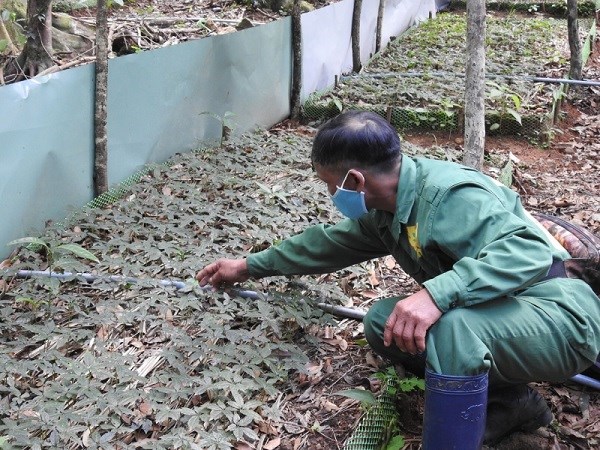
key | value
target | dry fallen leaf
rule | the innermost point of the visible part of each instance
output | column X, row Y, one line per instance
column 272, row 444
column 339, row 342
column 297, row 443
column 267, row 428
column 369, row 294
column 306, row 396
column 330, row 406
column 85, row 437
column 372, row 360
column 373, row 278
column 328, row 332
column 145, row 408
column 562, row 203
column 102, row 332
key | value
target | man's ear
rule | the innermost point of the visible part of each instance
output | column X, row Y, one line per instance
column 357, row 180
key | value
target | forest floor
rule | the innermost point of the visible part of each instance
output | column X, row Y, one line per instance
column 562, row 179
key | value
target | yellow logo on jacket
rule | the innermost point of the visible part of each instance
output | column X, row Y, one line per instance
column 413, row 241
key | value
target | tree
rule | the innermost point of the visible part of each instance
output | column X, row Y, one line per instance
column 297, row 60
column 37, row 52
column 574, row 42
column 100, row 104
column 379, row 26
column 475, row 85
column 355, row 31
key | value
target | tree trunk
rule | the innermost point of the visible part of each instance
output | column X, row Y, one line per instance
column 356, row 65
column 297, row 61
column 475, row 85
column 574, row 42
column 37, row 53
column 378, row 29
column 100, row 111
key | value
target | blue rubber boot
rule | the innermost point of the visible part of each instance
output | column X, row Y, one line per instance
column 455, row 411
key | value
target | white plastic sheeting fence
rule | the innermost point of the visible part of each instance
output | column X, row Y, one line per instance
column 158, row 103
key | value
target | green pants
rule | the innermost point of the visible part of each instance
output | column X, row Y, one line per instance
column 549, row 332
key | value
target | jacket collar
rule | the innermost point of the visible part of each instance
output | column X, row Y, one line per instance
column 405, row 196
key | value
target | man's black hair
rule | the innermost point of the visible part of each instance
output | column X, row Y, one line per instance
column 359, row 138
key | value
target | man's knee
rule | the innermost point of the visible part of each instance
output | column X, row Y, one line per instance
column 374, row 321
column 453, row 348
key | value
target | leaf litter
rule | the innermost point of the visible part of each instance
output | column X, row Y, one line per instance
column 137, row 366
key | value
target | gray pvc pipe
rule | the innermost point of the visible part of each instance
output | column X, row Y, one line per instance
column 461, row 75
column 340, row 311
column 90, row 278
column 587, row 381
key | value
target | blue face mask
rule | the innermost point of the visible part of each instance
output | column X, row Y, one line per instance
column 350, row 203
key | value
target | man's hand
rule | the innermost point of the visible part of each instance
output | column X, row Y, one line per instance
column 223, row 271
column 409, row 321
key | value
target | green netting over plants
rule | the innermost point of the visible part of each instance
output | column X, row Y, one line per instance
column 119, row 191
column 585, row 8
column 373, row 429
column 418, row 81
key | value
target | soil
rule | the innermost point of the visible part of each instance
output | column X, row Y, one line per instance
column 561, row 179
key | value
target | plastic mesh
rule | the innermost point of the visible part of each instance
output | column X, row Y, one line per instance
column 585, row 8
column 449, row 117
column 372, row 430
column 117, row 192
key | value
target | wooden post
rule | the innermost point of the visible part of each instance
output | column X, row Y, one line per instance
column 475, row 85
column 297, row 61
column 100, row 103
column 355, row 35
column 574, row 42
column 379, row 27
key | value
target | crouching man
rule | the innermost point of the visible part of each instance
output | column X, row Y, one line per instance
column 492, row 314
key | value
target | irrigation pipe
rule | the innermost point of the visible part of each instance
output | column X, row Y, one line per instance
column 461, row 75
column 587, row 381
column 339, row 311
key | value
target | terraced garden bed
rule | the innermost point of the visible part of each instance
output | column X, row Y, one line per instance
column 418, row 81
column 586, row 8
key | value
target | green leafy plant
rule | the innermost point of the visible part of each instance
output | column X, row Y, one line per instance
column 228, row 125
column 508, row 101
column 366, row 398
column 190, row 368
column 389, row 377
column 58, row 256
column 391, row 439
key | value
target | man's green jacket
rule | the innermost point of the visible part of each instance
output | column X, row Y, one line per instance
column 466, row 238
